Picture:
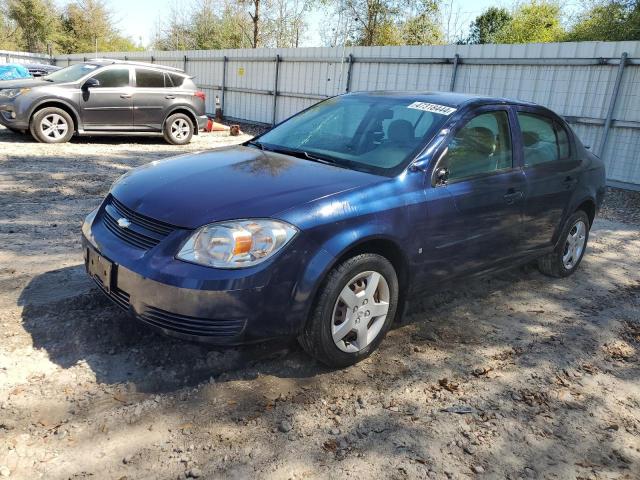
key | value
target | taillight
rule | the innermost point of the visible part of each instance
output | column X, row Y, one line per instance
column 200, row 94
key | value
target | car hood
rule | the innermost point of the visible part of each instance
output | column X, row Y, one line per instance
column 238, row 182
column 23, row 83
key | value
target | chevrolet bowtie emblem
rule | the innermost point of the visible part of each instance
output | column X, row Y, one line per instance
column 124, row 223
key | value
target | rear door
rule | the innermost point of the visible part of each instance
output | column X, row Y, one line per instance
column 109, row 106
column 551, row 172
column 153, row 95
column 473, row 219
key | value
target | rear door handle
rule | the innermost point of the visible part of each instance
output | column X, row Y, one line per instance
column 511, row 196
column 125, row 95
column 169, row 97
column 569, row 181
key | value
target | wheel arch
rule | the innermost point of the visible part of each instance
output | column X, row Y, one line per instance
column 185, row 110
column 319, row 267
column 589, row 207
column 73, row 113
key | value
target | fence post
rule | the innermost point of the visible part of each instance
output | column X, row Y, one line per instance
column 452, row 85
column 153, row 60
column 225, row 59
column 184, row 63
column 68, row 61
column 275, row 90
column 612, row 103
column 351, row 61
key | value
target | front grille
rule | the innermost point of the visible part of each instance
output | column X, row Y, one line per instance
column 188, row 325
column 143, row 232
column 119, row 297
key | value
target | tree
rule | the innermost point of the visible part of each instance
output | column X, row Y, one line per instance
column 612, row 20
column 538, row 21
column 87, row 26
column 37, row 23
column 487, row 25
column 9, row 32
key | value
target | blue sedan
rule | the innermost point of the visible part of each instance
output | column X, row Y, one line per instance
column 325, row 226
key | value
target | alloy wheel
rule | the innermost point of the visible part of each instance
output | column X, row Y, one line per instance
column 574, row 245
column 360, row 311
column 54, row 126
column 180, row 129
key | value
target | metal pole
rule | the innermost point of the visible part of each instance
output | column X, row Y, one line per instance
column 184, row 63
column 153, row 60
column 452, row 85
column 351, row 61
column 224, row 82
column 612, row 103
column 275, row 90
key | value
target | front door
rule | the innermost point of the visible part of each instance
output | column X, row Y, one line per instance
column 474, row 204
column 109, row 106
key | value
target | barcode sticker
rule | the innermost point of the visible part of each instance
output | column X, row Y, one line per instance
column 432, row 107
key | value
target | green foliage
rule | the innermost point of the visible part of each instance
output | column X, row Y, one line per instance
column 487, row 25
column 36, row 21
column 538, row 21
column 608, row 21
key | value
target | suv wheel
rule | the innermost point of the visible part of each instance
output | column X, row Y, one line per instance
column 566, row 257
column 178, row 129
column 51, row 125
column 354, row 309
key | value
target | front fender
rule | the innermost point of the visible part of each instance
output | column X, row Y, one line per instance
column 56, row 100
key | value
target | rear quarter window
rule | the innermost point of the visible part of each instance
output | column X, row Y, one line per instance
column 178, row 80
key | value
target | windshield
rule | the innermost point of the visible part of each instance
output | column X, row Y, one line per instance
column 72, row 73
column 363, row 132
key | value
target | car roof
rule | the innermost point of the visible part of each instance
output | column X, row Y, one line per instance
column 449, row 99
column 113, row 61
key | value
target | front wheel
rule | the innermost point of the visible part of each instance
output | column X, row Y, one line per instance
column 178, row 129
column 51, row 125
column 353, row 311
column 567, row 255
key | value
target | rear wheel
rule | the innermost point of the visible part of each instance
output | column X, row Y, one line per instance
column 353, row 312
column 51, row 125
column 178, row 129
column 566, row 257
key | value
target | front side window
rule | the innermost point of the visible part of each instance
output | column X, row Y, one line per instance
column 113, row 78
column 482, row 146
column 149, row 78
column 543, row 139
column 364, row 132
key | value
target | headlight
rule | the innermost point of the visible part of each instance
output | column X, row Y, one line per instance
column 237, row 243
column 13, row 92
column 86, row 227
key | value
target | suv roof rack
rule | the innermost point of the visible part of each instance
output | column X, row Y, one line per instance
column 112, row 61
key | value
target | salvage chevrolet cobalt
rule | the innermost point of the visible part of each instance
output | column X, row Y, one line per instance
column 325, row 226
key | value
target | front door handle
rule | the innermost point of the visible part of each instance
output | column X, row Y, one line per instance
column 569, row 181
column 125, row 95
column 170, row 97
column 511, row 196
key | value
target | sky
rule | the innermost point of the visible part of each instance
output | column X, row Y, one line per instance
column 138, row 18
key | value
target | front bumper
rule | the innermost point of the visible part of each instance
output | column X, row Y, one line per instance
column 10, row 118
column 192, row 302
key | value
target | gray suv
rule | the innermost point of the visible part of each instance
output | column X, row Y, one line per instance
column 104, row 96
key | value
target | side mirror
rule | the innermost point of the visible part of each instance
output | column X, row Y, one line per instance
column 91, row 83
column 442, row 176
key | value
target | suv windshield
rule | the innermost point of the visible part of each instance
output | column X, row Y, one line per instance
column 364, row 132
column 71, row 73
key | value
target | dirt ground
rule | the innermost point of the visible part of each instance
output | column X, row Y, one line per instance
column 515, row 376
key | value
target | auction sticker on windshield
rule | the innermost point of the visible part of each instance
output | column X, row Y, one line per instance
column 432, row 107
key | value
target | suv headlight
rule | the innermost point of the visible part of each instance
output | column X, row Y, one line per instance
column 13, row 92
column 236, row 243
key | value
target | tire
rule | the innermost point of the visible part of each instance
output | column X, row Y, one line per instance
column 178, row 129
column 51, row 125
column 352, row 345
column 561, row 262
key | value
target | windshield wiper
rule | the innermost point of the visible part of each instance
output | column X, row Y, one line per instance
column 304, row 154
column 255, row 143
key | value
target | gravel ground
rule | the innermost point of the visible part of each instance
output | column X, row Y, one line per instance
column 516, row 376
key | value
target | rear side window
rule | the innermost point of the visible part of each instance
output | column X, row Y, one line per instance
column 149, row 79
column 176, row 80
column 543, row 139
column 113, row 78
column 482, row 146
